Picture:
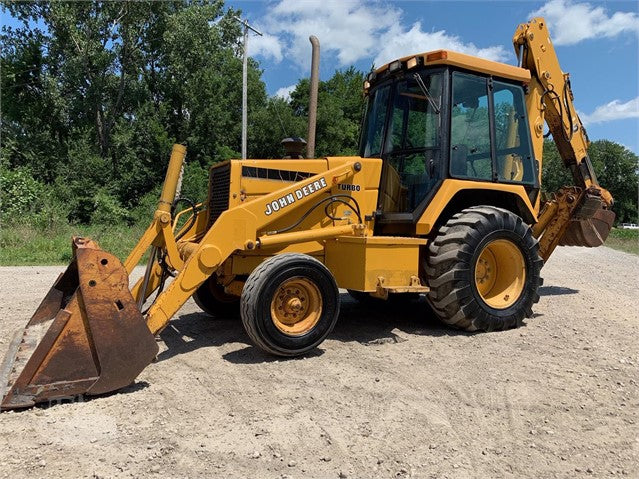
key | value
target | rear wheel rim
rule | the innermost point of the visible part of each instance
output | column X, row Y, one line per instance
column 500, row 274
column 296, row 307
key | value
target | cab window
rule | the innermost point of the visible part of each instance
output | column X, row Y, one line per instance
column 471, row 151
column 412, row 148
column 470, row 128
column 514, row 156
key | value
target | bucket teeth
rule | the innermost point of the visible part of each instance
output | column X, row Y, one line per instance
column 31, row 337
column 8, row 369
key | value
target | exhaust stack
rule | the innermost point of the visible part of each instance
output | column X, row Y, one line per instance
column 312, row 104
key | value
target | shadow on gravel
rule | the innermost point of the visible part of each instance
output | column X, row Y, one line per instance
column 369, row 323
column 253, row 355
column 199, row 330
column 556, row 291
column 378, row 322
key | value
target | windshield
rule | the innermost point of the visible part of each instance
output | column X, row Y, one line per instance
column 413, row 118
column 373, row 127
column 403, row 126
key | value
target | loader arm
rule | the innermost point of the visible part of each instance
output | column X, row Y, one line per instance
column 576, row 215
column 237, row 229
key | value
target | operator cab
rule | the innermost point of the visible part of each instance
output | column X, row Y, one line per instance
column 444, row 115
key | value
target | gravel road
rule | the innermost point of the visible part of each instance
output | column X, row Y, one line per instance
column 390, row 394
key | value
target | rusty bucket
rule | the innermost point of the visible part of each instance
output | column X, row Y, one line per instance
column 86, row 337
column 591, row 225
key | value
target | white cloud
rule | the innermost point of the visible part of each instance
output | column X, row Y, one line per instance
column 285, row 92
column 399, row 43
column 266, row 46
column 573, row 22
column 354, row 30
column 349, row 28
column 614, row 110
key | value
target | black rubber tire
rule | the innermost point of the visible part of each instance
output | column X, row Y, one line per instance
column 259, row 290
column 450, row 269
column 213, row 300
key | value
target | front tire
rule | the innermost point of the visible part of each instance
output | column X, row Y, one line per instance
column 483, row 270
column 289, row 304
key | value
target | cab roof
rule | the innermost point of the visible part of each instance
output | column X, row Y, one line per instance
column 469, row 62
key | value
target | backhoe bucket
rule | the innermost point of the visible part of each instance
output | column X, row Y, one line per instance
column 86, row 337
column 589, row 231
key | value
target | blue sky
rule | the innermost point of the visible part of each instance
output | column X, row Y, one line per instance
column 597, row 43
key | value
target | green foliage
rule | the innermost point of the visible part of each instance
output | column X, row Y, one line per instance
column 554, row 173
column 194, row 182
column 273, row 123
column 617, row 170
column 339, row 112
column 107, row 210
column 20, row 193
column 95, row 93
column 143, row 212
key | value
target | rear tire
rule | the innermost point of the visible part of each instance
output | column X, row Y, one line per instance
column 483, row 270
column 289, row 304
column 213, row 300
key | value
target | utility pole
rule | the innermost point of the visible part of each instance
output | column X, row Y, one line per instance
column 247, row 27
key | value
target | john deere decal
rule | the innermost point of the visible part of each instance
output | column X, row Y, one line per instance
column 296, row 195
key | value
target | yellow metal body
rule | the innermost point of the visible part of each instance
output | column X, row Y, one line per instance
column 451, row 187
column 258, row 208
column 480, row 65
column 359, row 262
column 550, row 101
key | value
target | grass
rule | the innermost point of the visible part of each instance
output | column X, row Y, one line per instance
column 26, row 245
column 624, row 240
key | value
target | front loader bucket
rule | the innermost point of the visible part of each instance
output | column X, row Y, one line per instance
column 86, row 337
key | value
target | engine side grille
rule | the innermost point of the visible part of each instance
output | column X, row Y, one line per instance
column 219, row 188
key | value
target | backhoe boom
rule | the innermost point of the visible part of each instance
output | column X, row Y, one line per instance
column 575, row 216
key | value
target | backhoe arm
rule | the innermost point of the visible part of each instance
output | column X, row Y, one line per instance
column 578, row 215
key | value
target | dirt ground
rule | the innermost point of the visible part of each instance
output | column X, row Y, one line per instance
column 390, row 394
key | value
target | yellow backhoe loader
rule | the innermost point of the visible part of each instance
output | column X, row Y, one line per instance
column 443, row 199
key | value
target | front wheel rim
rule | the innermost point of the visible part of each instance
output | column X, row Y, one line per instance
column 296, row 307
column 500, row 274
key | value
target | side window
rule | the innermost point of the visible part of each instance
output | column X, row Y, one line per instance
column 375, row 118
column 470, row 155
column 514, row 156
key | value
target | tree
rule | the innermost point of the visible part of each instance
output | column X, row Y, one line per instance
column 95, row 93
column 617, row 170
column 339, row 112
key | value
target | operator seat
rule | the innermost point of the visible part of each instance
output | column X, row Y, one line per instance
column 393, row 194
